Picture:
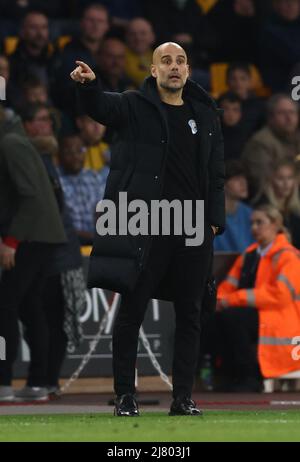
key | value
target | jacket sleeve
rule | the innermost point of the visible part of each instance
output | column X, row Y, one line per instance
column 231, row 281
column 104, row 107
column 216, row 172
column 284, row 289
column 22, row 168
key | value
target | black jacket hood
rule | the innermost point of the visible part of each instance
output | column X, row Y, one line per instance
column 191, row 90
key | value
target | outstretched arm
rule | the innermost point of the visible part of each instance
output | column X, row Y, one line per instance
column 104, row 107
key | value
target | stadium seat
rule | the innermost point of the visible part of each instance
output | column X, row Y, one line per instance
column 86, row 250
column 10, row 44
column 207, row 5
column 63, row 40
column 219, row 85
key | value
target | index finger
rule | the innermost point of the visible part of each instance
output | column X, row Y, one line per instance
column 83, row 65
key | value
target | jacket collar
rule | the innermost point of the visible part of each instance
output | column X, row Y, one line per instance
column 280, row 242
column 192, row 90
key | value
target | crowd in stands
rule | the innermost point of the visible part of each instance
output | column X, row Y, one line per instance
column 243, row 52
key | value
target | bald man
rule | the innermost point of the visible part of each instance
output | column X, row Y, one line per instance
column 169, row 146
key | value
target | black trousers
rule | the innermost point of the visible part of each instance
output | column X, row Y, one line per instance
column 54, row 306
column 189, row 267
column 21, row 291
column 237, row 333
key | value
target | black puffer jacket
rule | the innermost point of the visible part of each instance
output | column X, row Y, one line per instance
column 138, row 162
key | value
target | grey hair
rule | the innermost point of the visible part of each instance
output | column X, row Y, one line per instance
column 275, row 99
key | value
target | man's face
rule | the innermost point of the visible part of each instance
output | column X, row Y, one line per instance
column 72, row 155
column 170, row 68
column 41, row 125
column 287, row 9
column 237, row 187
column 35, row 30
column 94, row 24
column 91, row 131
column 36, row 95
column 285, row 117
column 240, row 83
column 112, row 58
column 140, row 36
column 232, row 113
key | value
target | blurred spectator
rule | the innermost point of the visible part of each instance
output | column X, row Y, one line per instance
column 94, row 24
column 17, row 9
column 260, row 307
column 140, row 40
column 111, row 62
column 182, row 21
column 120, row 11
column 239, row 81
column 234, row 131
column 282, row 191
column 37, row 120
column 35, row 92
column 235, row 25
column 83, row 188
column 30, row 228
column 33, row 56
column 237, row 236
column 280, row 43
column 279, row 139
column 42, row 120
column 97, row 153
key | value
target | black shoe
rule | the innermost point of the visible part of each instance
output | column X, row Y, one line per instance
column 184, row 406
column 126, row 406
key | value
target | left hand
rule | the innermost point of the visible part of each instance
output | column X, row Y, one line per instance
column 221, row 304
column 7, row 256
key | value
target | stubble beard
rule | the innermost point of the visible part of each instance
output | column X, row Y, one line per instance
column 172, row 90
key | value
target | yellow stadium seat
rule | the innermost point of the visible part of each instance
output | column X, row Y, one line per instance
column 63, row 41
column 219, row 85
column 207, row 5
column 10, row 45
column 86, row 250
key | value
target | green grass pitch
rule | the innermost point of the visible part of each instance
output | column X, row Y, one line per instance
column 154, row 427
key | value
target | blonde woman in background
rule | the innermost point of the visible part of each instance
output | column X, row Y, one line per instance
column 282, row 191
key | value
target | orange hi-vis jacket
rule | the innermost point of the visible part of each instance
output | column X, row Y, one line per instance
column 276, row 295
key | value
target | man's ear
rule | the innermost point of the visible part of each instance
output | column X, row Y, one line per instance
column 189, row 70
column 153, row 70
